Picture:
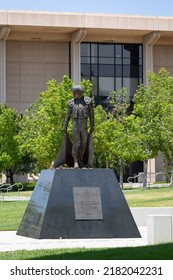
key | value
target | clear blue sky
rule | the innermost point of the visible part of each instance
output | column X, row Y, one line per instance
column 138, row 7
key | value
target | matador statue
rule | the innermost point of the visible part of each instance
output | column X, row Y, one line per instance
column 80, row 108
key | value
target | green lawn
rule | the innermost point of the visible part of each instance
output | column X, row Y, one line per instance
column 12, row 212
column 150, row 197
column 154, row 252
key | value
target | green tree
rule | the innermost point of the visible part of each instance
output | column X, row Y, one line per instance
column 150, row 106
column 102, row 137
column 166, row 137
column 115, row 136
column 163, row 84
column 9, row 144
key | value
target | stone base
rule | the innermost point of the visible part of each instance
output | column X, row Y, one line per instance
column 159, row 229
column 78, row 203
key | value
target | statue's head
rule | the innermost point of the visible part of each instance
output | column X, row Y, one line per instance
column 77, row 91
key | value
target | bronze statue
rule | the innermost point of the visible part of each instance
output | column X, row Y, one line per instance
column 80, row 108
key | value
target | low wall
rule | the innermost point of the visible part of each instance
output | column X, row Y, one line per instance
column 140, row 213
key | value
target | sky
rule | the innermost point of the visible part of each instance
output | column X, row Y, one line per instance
column 130, row 7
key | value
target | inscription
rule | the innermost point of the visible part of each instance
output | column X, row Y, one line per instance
column 87, row 203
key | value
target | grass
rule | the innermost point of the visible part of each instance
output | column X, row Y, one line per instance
column 154, row 252
column 150, row 197
column 11, row 214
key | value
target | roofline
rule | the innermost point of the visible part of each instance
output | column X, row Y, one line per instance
column 85, row 20
column 83, row 14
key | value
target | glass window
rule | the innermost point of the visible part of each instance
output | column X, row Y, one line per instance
column 94, row 48
column 118, row 83
column 106, row 50
column 85, row 49
column 85, row 77
column 130, row 71
column 126, row 51
column 94, row 81
column 140, row 61
column 94, row 70
column 140, row 52
column 105, row 85
column 94, row 59
column 85, row 70
column 85, row 59
column 140, row 81
column 118, row 61
column 126, row 61
column 106, row 70
column 140, row 71
column 111, row 67
column 106, row 60
column 131, row 85
column 118, row 70
column 118, row 51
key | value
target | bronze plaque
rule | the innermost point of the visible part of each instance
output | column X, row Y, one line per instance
column 87, row 203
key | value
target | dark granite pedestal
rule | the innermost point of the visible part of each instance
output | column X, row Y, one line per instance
column 78, row 203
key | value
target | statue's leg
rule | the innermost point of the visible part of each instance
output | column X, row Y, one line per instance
column 84, row 135
column 75, row 148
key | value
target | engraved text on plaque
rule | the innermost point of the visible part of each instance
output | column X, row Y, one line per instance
column 87, row 203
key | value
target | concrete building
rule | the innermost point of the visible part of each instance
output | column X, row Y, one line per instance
column 111, row 50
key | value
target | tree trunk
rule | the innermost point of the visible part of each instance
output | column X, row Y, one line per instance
column 145, row 173
column 9, row 176
column 107, row 164
column 121, row 173
column 167, row 169
column 171, row 180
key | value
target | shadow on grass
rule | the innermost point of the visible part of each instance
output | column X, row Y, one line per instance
column 156, row 252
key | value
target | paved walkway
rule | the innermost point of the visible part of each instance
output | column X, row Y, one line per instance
column 9, row 241
column 13, row 198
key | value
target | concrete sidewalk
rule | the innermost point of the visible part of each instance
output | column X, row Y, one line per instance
column 9, row 241
column 13, row 198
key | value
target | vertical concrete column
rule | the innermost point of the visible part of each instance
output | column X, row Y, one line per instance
column 148, row 42
column 159, row 229
column 151, row 171
column 2, row 71
column 76, row 39
column 4, row 31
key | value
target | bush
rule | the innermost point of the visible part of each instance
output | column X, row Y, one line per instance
column 29, row 186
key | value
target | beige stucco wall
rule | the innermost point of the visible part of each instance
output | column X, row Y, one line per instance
column 29, row 66
column 163, row 57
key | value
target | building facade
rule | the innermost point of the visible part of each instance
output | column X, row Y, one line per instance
column 111, row 50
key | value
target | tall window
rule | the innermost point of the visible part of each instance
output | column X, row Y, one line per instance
column 111, row 67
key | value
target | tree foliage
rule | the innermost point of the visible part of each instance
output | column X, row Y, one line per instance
column 153, row 111
column 32, row 141
column 9, row 145
column 115, row 136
